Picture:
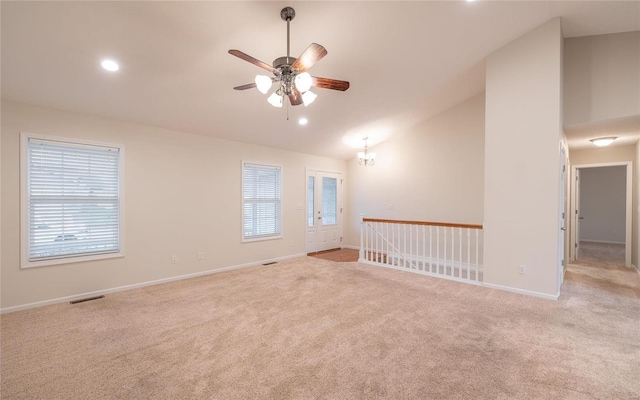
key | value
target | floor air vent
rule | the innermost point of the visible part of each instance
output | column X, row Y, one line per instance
column 87, row 299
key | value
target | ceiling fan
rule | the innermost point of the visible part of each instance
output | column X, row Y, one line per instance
column 289, row 73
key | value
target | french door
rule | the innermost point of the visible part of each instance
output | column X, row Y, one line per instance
column 324, row 211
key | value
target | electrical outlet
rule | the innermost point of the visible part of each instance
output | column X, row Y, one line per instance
column 174, row 259
column 200, row 256
column 522, row 269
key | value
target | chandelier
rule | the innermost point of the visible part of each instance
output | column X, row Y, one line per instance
column 364, row 157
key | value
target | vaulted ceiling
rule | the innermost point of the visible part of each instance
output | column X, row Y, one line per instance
column 405, row 61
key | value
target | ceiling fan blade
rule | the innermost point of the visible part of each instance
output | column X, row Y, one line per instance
column 245, row 87
column 295, row 97
column 254, row 61
column 326, row 83
column 310, row 56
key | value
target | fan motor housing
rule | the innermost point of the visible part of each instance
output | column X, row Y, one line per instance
column 283, row 63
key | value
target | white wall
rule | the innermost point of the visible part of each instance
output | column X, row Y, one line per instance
column 603, row 197
column 636, row 210
column 434, row 173
column 182, row 196
column 601, row 77
column 602, row 155
column 522, row 157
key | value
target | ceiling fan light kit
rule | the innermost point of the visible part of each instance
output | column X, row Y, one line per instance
column 289, row 73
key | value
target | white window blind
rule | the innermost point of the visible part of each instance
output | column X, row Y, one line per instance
column 261, row 208
column 73, row 200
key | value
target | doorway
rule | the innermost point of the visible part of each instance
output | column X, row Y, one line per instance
column 601, row 213
column 324, row 211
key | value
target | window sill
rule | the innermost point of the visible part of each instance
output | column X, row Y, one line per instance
column 69, row 260
column 260, row 239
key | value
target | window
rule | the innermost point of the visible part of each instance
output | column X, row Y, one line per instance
column 261, row 208
column 72, row 201
column 311, row 202
column 329, row 200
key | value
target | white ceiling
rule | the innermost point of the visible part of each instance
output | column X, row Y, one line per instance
column 406, row 61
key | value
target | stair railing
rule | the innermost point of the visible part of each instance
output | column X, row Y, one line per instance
column 442, row 249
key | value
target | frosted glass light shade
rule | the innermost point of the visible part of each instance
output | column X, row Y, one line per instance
column 601, row 142
column 263, row 83
column 275, row 100
column 308, row 97
column 303, row 82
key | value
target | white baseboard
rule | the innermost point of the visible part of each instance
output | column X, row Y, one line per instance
column 415, row 271
column 523, row 291
column 348, row 246
column 488, row 285
column 140, row 285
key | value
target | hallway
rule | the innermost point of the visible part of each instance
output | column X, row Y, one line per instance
column 600, row 273
column 604, row 255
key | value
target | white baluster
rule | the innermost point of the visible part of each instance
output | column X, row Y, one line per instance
column 393, row 242
column 437, row 249
column 445, row 250
column 404, row 247
column 452, row 261
column 367, row 250
column 410, row 246
column 468, row 253
column 424, row 248
column 477, row 263
column 430, row 249
column 460, row 253
column 361, row 238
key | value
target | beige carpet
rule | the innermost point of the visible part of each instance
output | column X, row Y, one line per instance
column 310, row 328
column 605, row 255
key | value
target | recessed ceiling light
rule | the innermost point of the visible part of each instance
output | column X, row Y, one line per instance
column 303, row 121
column 604, row 141
column 110, row 65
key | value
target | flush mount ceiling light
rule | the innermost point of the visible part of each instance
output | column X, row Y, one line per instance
column 303, row 121
column 364, row 157
column 604, row 141
column 289, row 74
column 110, row 65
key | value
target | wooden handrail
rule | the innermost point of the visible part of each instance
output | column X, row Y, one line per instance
column 446, row 224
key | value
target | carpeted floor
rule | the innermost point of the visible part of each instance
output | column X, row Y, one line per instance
column 312, row 328
column 604, row 255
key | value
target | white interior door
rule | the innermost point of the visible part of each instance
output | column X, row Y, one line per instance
column 324, row 211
